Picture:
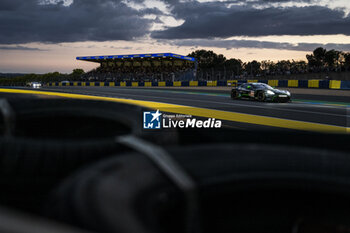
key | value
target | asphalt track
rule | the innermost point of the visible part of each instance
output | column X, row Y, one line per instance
column 306, row 111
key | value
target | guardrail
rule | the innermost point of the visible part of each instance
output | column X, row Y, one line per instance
column 320, row 84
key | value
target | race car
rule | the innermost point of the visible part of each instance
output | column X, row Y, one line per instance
column 33, row 84
column 260, row 92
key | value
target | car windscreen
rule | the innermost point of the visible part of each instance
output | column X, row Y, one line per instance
column 262, row 86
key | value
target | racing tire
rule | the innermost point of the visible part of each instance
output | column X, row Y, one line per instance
column 234, row 95
column 261, row 96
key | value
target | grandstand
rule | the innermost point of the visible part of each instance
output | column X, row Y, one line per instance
column 142, row 67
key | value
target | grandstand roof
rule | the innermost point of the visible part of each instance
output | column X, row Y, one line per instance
column 147, row 55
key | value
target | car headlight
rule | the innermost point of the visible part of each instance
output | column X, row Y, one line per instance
column 287, row 92
column 268, row 92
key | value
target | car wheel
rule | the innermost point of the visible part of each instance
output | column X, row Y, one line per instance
column 234, row 95
column 261, row 96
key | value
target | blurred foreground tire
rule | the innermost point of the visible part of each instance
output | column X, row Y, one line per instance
column 30, row 168
column 241, row 188
column 48, row 139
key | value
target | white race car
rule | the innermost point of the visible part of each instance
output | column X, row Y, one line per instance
column 35, row 85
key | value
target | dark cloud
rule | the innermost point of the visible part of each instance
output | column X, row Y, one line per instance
column 280, row 1
column 83, row 20
column 231, row 44
column 216, row 19
column 250, row 2
column 329, row 46
column 22, row 48
column 12, row 5
column 23, row 21
column 124, row 47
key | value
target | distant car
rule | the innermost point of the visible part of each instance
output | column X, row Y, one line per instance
column 260, row 92
column 34, row 84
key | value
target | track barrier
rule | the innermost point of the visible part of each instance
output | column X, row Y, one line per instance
column 317, row 84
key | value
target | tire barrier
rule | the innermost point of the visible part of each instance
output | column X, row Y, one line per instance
column 315, row 83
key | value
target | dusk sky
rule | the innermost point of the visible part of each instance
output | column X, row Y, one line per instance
column 46, row 35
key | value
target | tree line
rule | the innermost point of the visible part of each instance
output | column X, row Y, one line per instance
column 217, row 66
column 212, row 66
column 44, row 78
